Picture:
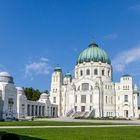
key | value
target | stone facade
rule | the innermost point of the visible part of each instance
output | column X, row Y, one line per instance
column 91, row 91
column 14, row 104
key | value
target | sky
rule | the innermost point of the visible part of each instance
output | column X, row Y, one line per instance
column 37, row 35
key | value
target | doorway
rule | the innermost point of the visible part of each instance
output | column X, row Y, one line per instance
column 126, row 113
column 82, row 108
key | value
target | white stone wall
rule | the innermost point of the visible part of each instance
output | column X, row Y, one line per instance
column 107, row 97
column 9, row 98
column 126, row 88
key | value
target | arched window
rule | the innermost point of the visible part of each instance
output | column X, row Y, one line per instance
column 85, row 86
column 88, row 72
column 79, row 88
column 108, row 72
column 95, row 72
column 106, row 99
column 81, row 73
column 111, row 100
column 103, row 72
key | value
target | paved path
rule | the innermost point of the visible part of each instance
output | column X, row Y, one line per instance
column 78, row 126
column 91, row 121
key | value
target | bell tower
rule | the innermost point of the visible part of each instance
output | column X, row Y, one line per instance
column 56, row 84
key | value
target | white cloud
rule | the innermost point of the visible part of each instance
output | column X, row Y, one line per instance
column 44, row 59
column 75, row 49
column 125, row 58
column 135, row 7
column 37, row 68
column 111, row 36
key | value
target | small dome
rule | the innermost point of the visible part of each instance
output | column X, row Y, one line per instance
column 44, row 96
column 19, row 88
column 68, row 74
column 6, row 77
column 58, row 68
column 5, row 74
column 93, row 53
column 126, row 75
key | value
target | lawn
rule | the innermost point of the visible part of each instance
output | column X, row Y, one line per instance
column 49, row 123
column 118, row 133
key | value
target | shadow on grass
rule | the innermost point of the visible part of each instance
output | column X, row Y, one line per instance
column 12, row 136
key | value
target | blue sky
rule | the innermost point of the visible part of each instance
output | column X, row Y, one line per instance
column 36, row 35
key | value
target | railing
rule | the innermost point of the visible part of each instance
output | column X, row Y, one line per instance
column 90, row 114
column 85, row 114
column 68, row 114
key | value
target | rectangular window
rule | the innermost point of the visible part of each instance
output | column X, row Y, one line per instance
column 125, row 98
column 106, row 99
column 103, row 72
column 118, row 87
column 107, row 114
column 83, row 98
column 127, row 87
column 111, row 99
column 95, row 72
column 75, row 98
column 54, row 99
column 90, row 98
column 118, row 97
column 81, row 73
column 90, row 108
column 10, row 101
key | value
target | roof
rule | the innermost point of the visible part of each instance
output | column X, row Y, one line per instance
column 93, row 53
column 126, row 75
column 68, row 74
column 58, row 68
column 5, row 74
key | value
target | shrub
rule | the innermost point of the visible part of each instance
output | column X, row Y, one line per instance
column 10, row 136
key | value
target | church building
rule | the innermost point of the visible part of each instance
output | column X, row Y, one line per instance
column 91, row 91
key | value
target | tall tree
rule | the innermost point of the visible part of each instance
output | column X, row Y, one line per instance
column 32, row 94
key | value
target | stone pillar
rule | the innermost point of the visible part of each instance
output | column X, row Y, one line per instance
column 28, row 110
column 43, row 111
column 39, row 110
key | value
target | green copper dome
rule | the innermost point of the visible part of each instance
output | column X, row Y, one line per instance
column 68, row 74
column 58, row 69
column 93, row 53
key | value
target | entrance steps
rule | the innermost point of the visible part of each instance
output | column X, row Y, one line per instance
column 79, row 114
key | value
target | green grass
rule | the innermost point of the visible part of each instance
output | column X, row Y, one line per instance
column 49, row 123
column 118, row 133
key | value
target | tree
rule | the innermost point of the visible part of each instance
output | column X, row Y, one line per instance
column 46, row 91
column 32, row 94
